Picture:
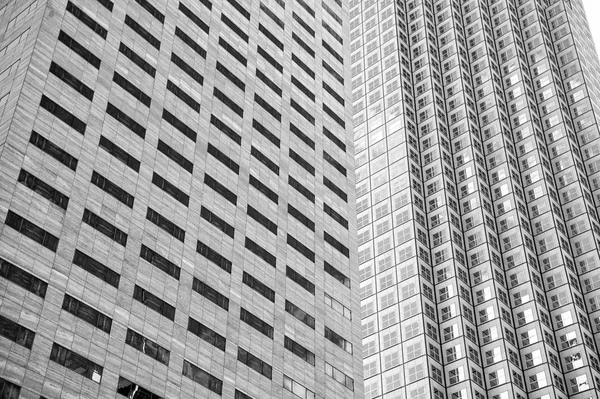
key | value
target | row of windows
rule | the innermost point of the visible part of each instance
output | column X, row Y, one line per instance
column 53, row 150
column 140, row 30
column 179, row 125
column 175, row 156
column 105, row 227
column 160, row 262
column 16, row 333
column 126, row 120
column 133, row 90
column 31, row 230
column 130, row 390
column 170, row 189
column 187, row 68
column 71, row 120
column 119, row 153
column 206, row 334
column 96, row 268
column 165, row 224
column 87, row 20
column 216, row 221
column 44, row 189
column 190, row 42
column 71, row 80
column 229, row 132
column 22, row 278
column 255, row 363
column 79, row 49
column 272, row 85
column 300, row 314
column 112, row 189
column 9, row 390
column 298, row 246
column 183, row 96
column 87, row 313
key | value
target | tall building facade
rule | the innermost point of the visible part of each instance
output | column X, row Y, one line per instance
column 477, row 143
column 177, row 200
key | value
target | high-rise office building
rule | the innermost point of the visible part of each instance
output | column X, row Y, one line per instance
column 177, row 200
column 478, row 191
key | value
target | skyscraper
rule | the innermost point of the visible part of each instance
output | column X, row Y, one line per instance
column 177, row 200
column 476, row 140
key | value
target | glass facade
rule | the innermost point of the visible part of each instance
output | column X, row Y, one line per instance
column 476, row 142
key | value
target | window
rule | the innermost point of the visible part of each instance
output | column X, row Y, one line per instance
column 272, row 85
column 71, row 120
column 71, row 80
column 265, row 54
column 165, row 224
column 256, row 323
column 241, row 395
column 207, row 334
column 87, row 313
column 232, row 50
column 175, row 156
column 201, row 377
column 258, row 286
column 146, row 346
column 340, row 121
column 221, row 189
column 231, row 76
column 152, row 10
column 300, row 314
column 137, row 60
column 302, row 162
column 44, row 189
column 16, row 333
column 300, row 247
column 334, row 138
column 307, row 115
column 190, row 42
column 330, row 185
column 183, row 96
column 216, row 221
column 193, row 17
column 104, row 227
column 213, row 256
column 229, row 132
column 302, row 65
column 263, row 188
column 53, row 150
column 179, row 125
column 138, row 95
column 265, row 160
column 339, row 376
column 234, row 27
column 22, row 278
column 160, row 262
column 307, row 140
column 254, row 363
column 301, row 189
column 299, row 350
column 154, row 302
column 300, row 280
column 297, row 389
column 112, row 189
column 262, row 219
column 187, row 68
column 96, row 268
column 261, row 252
column 335, row 273
column 338, row 340
column 32, row 231
column 79, row 49
column 300, row 216
column 140, row 30
column 130, row 389
column 76, row 363
column 336, row 244
column 210, row 293
column 9, row 390
column 119, row 153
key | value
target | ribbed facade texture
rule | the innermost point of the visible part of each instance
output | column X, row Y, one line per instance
column 478, row 186
column 177, row 200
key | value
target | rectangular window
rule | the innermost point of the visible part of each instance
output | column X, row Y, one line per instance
column 335, row 273
column 256, row 323
column 307, row 92
column 234, row 27
column 105, row 227
column 53, row 150
column 119, row 153
column 107, row 4
column 44, row 189
column 22, row 278
column 298, row 133
column 340, row 193
column 301, row 217
column 185, row 67
column 221, row 189
column 87, row 20
column 302, row 162
column 333, row 93
column 299, row 350
column 16, row 333
column 271, row 15
column 264, row 160
column 211, row 294
column 179, row 125
column 340, row 376
column 334, row 139
column 331, row 160
column 301, row 22
column 229, row 132
column 140, row 30
column 126, row 120
column 131, row 89
column 87, row 313
column 201, row 377
column 206, row 334
column 258, row 286
column 262, row 219
column 240, row 8
column 160, row 262
column 213, row 256
column 297, row 388
column 217, row 221
column 261, row 252
column 267, row 107
column 96, row 268
column 265, row 132
column 112, row 189
column 190, row 42
column 300, row 314
column 231, row 76
column 193, row 17
column 301, row 189
column 137, row 60
column 333, row 72
column 152, row 10
column 224, row 159
column 10, row 390
column 131, row 389
column 71, row 120
column 309, row 49
column 79, row 49
column 72, row 81
column 338, row 340
column 306, row 7
column 153, row 302
column 75, row 362
column 228, row 102
column 31, row 231
column 335, row 216
column 265, row 54
column 175, row 156
column 270, row 36
column 260, row 186
column 240, row 395
column 303, row 249
column 231, row 50
column 170, row 189
column 254, row 363
column 300, row 280
column 336, row 244
column 165, row 224
column 307, row 115
column 340, row 121
column 269, row 82
column 302, row 65
column 331, row 51
column 183, row 96
column 332, row 32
